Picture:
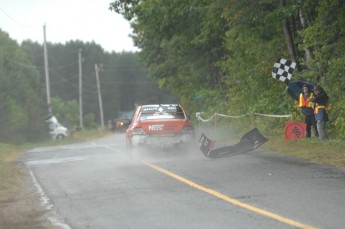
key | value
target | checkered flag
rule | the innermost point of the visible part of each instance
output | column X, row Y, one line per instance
column 282, row 70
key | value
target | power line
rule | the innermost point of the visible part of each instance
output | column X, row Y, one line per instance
column 15, row 21
column 21, row 64
column 39, row 67
column 64, row 66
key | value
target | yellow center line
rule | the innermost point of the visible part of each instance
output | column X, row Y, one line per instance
column 230, row 200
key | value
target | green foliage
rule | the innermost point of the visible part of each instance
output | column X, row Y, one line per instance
column 181, row 50
column 72, row 114
column 22, row 101
column 215, row 56
column 66, row 112
column 17, row 117
column 218, row 55
column 124, row 82
column 58, row 107
column 89, row 121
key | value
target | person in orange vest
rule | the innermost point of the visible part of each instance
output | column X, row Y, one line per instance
column 320, row 101
column 308, row 111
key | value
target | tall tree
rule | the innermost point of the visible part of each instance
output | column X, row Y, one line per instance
column 124, row 81
column 22, row 106
column 181, row 51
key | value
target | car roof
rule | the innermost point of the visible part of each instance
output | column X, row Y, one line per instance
column 161, row 107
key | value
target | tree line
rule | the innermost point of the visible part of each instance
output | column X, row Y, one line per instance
column 124, row 82
column 217, row 55
column 214, row 55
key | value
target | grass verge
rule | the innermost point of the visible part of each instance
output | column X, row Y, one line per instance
column 8, row 168
column 323, row 152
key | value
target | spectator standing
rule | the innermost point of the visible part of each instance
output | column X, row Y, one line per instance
column 308, row 111
column 320, row 101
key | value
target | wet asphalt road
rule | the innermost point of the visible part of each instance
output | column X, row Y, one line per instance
column 98, row 185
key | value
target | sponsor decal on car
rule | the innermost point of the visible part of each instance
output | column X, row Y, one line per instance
column 156, row 127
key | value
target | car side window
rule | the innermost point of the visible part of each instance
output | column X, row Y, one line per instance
column 179, row 115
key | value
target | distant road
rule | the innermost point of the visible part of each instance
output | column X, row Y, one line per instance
column 98, row 185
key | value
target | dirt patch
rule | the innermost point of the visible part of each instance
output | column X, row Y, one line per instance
column 21, row 208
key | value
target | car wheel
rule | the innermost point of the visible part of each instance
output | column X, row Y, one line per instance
column 60, row 136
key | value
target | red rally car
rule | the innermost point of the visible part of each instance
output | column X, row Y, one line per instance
column 159, row 125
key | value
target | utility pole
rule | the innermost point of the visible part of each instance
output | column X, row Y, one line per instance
column 97, row 70
column 46, row 68
column 80, row 91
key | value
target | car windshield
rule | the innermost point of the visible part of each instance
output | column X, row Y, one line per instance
column 163, row 111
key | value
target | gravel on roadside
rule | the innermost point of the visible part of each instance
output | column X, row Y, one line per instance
column 22, row 209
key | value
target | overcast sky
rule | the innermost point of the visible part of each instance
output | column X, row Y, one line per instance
column 65, row 20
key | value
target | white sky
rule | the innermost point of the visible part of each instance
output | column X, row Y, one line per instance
column 66, row 20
